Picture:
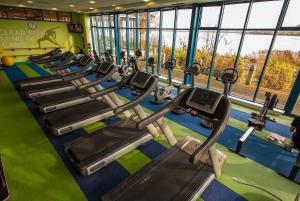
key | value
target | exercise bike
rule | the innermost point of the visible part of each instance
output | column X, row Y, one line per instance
column 227, row 77
column 257, row 121
column 163, row 93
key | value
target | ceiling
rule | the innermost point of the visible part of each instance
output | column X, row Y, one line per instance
column 88, row 6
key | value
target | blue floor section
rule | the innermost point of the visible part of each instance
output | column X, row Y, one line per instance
column 99, row 183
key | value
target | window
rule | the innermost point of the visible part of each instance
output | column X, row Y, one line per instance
column 184, row 18
column 64, row 17
column 234, row 16
column 226, row 54
column 282, row 68
column 252, row 58
column 154, row 19
column 210, row 16
column 142, row 20
column 49, row 15
column 181, row 46
column 203, row 56
column 105, row 19
column 258, row 17
column 33, row 14
column 16, row 13
column 292, row 16
column 168, row 19
column 3, row 12
column 166, row 48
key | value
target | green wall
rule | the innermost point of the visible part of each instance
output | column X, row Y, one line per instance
column 17, row 34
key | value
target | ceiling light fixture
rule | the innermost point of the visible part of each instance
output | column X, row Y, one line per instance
column 21, row 5
column 92, row 2
column 53, row 8
column 71, row 5
column 29, row 2
column 113, row 5
column 91, row 8
column 145, row 0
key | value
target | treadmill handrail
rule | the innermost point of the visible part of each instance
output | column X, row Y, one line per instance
column 111, row 89
column 160, row 113
column 64, row 66
column 153, row 83
column 79, row 71
column 99, row 80
column 214, row 136
column 79, row 75
column 61, row 62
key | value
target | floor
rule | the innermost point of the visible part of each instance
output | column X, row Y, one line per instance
column 37, row 168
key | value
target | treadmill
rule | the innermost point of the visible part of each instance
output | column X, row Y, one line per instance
column 85, row 64
column 54, row 102
column 48, row 57
column 64, row 60
column 184, row 171
column 103, row 146
column 69, row 119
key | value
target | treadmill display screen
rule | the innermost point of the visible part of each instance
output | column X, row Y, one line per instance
column 104, row 68
column 84, row 60
column 204, row 100
column 140, row 79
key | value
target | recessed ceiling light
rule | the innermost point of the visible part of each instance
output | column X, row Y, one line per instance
column 91, row 8
column 145, row 0
column 29, row 2
column 92, row 2
column 113, row 5
column 53, row 8
column 21, row 5
column 71, row 5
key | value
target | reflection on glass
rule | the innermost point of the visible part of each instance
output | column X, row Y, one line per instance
column 142, row 20
column 112, row 23
column 122, row 20
column 235, row 15
column 142, row 43
column 154, row 19
column 132, row 40
column 107, row 38
column 94, row 23
column 252, row 58
column 96, row 44
column 123, row 39
column 105, row 20
column 153, row 43
column 296, row 110
column 258, row 17
column 210, row 16
column 181, row 45
column 293, row 15
column 226, row 53
column 205, row 47
column 184, row 18
column 168, row 19
column 166, row 48
column 282, row 68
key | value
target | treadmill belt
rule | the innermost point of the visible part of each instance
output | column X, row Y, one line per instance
column 77, row 113
column 60, row 97
column 37, row 79
column 47, row 86
column 106, row 141
column 169, row 177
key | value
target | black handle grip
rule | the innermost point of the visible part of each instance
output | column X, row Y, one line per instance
column 131, row 104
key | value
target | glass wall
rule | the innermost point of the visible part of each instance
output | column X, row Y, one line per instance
column 264, row 49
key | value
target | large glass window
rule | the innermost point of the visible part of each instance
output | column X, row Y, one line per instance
column 296, row 110
column 226, row 53
column 282, row 68
column 234, row 15
column 251, row 61
column 293, row 15
column 181, row 46
column 168, row 19
column 210, row 16
column 265, row 15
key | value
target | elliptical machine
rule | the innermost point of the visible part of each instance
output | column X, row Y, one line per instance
column 227, row 77
column 164, row 93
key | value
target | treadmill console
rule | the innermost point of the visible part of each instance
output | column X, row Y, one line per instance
column 204, row 100
column 84, row 60
column 104, row 67
column 140, row 79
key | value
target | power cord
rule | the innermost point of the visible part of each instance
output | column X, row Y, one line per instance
column 240, row 182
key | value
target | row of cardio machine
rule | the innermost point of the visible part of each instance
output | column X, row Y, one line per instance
column 181, row 173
